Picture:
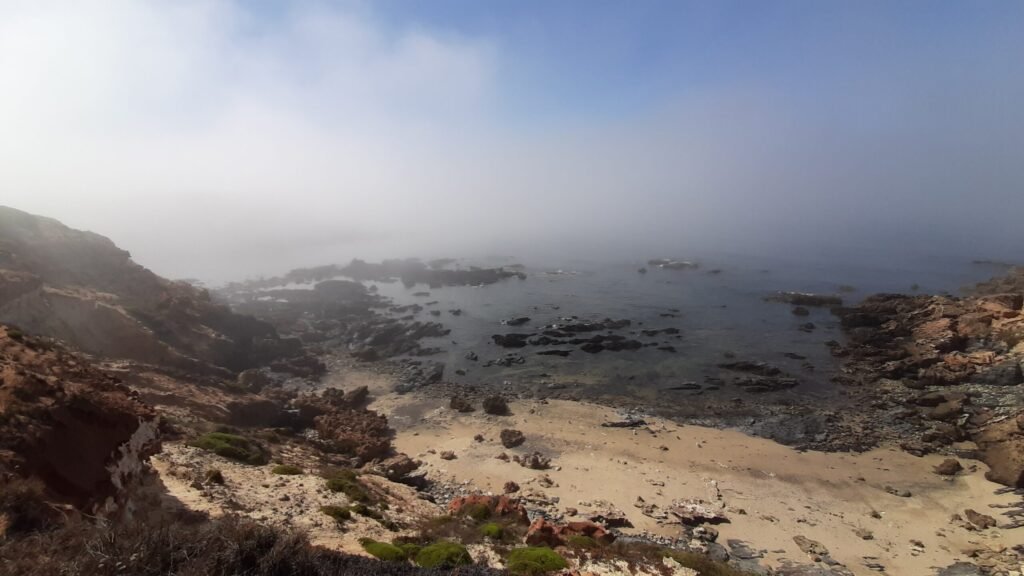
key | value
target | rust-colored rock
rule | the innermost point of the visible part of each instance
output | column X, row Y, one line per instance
column 499, row 506
column 544, row 533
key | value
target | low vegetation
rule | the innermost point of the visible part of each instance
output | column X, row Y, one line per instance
column 346, row 482
column 340, row 514
column 443, row 555
column 535, row 560
column 492, row 530
column 581, row 542
column 232, row 447
column 287, row 470
column 703, row 565
column 383, row 550
column 224, row 547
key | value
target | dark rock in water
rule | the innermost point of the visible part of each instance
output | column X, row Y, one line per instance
column 435, row 312
column 562, row 353
column 592, row 348
column 685, row 386
column 506, row 361
column 471, row 356
column 544, row 341
column 762, row 384
column 460, row 372
column 801, row 311
column 455, row 311
column 496, row 405
column 805, row 299
column 759, row 368
column 511, row 438
column 606, row 324
column 418, row 376
column 793, row 356
column 642, row 271
column 412, row 272
column 667, row 348
column 516, row 321
column 421, row 294
column 807, row 327
column 662, row 331
column 511, row 340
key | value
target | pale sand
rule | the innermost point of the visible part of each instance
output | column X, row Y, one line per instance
column 771, row 492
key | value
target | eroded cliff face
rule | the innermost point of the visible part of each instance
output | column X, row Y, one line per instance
column 75, row 429
column 79, row 287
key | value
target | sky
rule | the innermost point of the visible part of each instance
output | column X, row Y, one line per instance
column 222, row 139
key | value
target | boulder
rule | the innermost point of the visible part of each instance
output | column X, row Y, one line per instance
column 696, row 512
column 949, row 467
column 496, row 405
column 511, row 438
column 981, row 521
column 460, row 404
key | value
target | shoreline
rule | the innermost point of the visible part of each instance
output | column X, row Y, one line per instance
column 770, row 492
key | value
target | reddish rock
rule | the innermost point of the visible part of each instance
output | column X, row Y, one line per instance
column 589, row 529
column 544, row 533
column 500, row 506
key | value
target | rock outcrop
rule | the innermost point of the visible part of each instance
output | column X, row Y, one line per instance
column 70, row 426
column 947, row 367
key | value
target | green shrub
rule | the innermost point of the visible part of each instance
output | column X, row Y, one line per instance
column 443, row 555
column 703, row 565
column 345, row 481
column 410, row 549
column 581, row 542
column 492, row 530
column 478, row 512
column 383, row 550
column 232, row 446
column 287, row 470
column 340, row 514
column 364, row 510
column 532, row 560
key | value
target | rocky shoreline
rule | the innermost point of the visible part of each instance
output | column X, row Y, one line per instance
column 321, row 411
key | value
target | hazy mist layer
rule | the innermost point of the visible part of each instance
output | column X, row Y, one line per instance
column 218, row 140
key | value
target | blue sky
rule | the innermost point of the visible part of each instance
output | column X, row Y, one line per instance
column 380, row 128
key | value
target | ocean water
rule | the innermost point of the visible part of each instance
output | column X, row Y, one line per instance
column 721, row 316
